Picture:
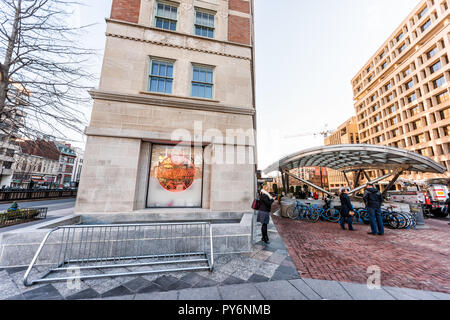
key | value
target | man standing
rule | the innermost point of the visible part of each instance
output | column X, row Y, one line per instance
column 347, row 210
column 373, row 200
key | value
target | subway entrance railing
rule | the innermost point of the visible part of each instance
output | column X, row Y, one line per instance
column 94, row 251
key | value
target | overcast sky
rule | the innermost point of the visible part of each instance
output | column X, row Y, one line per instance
column 307, row 52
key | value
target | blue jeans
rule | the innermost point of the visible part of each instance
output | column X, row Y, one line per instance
column 349, row 220
column 376, row 220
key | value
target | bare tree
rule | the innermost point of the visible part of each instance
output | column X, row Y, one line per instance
column 44, row 71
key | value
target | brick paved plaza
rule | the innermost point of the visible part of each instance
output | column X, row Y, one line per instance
column 417, row 259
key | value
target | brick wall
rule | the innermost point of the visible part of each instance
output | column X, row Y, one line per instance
column 126, row 10
column 238, row 29
column 239, row 5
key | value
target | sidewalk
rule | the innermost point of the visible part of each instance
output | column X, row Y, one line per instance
column 267, row 273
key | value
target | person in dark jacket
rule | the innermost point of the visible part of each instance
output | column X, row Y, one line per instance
column 373, row 200
column 265, row 201
column 347, row 210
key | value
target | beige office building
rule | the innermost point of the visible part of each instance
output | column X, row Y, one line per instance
column 174, row 114
column 346, row 133
column 402, row 95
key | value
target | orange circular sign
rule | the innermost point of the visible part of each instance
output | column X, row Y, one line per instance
column 176, row 173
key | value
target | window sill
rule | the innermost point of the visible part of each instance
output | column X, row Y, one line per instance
column 177, row 97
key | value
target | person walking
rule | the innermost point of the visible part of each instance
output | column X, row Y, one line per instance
column 265, row 206
column 347, row 211
column 373, row 200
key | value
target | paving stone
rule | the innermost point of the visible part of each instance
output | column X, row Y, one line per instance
column 169, row 295
column 70, row 288
column 192, row 278
column 152, row 287
column 278, row 275
column 257, row 278
column 121, row 297
column 206, row 283
column 279, row 290
column 232, row 280
column 210, row 293
column 216, row 276
column 267, row 269
column 243, row 274
column 276, row 258
column 85, row 294
column 16, row 269
column 328, row 290
column 362, row 292
column 179, row 285
column 47, row 292
column 102, row 285
column 136, row 284
column 118, row 291
column 305, row 289
column 7, row 286
column 263, row 255
column 243, row 292
column 404, row 293
column 165, row 282
column 17, row 277
column 441, row 296
column 18, row 297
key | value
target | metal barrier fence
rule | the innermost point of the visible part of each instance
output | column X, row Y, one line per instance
column 14, row 195
column 145, row 248
column 8, row 218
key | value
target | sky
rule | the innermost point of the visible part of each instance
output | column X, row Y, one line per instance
column 307, row 52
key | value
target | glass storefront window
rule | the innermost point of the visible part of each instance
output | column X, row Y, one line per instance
column 176, row 177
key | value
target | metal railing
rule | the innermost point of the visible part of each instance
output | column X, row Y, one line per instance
column 145, row 248
column 8, row 218
column 14, row 195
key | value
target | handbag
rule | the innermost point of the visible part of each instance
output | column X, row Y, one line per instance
column 256, row 204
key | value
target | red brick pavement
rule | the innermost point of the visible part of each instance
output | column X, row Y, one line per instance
column 418, row 259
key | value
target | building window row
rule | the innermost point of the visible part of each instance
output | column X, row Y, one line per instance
column 166, row 17
column 161, row 79
column 424, row 19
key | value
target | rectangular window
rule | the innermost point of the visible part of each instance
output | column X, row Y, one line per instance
column 409, row 84
column 439, row 82
column 412, row 98
column 402, row 48
column 406, row 73
column 202, row 82
column 444, row 96
column 166, row 17
column 161, row 76
column 384, row 65
column 432, row 53
column 435, row 67
column 204, row 24
column 387, row 87
column 423, row 12
column 425, row 25
column 415, row 110
column 399, row 37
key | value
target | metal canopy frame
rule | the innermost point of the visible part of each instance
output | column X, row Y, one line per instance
column 356, row 158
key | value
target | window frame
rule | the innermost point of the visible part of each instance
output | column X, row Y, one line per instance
column 211, row 13
column 149, row 74
column 155, row 15
column 203, row 66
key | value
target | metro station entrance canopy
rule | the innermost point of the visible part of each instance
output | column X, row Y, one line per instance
column 357, row 158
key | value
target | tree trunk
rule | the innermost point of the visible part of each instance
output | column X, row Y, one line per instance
column 5, row 67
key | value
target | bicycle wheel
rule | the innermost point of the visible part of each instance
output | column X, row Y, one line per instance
column 313, row 215
column 333, row 215
column 290, row 212
column 403, row 220
column 393, row 221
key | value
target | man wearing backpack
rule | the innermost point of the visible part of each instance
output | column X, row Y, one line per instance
column 373, row 200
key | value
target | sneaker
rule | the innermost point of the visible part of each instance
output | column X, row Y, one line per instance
column 352, row 229
column 381, row 234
